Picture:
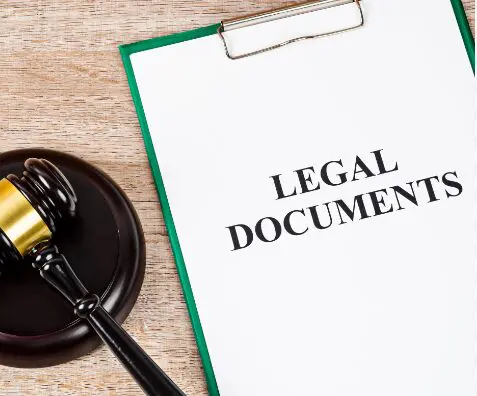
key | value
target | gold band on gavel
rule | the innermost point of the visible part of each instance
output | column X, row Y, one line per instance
column 19, row 220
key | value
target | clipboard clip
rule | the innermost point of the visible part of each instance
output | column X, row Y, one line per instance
column 281, row 13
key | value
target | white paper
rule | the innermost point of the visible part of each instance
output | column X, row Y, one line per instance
column 384, row 306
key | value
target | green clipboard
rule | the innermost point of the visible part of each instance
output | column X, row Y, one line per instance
column 129, row 49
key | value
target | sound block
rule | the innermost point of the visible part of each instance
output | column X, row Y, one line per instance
column 105, row 246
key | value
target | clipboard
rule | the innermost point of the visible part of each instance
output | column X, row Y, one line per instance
column 221, row 29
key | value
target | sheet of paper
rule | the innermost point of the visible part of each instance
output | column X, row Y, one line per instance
column 384, row 304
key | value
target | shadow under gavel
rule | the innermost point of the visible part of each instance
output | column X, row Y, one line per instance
column 31, row 207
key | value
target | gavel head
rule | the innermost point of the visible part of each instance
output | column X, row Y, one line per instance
column 31, row 207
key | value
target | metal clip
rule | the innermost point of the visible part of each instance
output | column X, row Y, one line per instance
column 285, row 12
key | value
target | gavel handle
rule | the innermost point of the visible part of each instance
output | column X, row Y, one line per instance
column 145, row 371
column 55, row 269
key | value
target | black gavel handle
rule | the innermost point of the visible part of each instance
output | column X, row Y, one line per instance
column 55, row 269
column 145, row 371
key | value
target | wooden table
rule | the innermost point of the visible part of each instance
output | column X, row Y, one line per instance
column 63, row 87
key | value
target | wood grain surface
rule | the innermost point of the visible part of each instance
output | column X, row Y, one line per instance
column 63, row 87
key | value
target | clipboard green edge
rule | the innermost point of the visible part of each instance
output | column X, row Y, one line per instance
column 126, row 51
column 129, row 49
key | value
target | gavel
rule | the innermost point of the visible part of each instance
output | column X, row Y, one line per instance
column 32, row 207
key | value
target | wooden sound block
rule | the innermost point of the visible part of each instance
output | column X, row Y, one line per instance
column 105, row 246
